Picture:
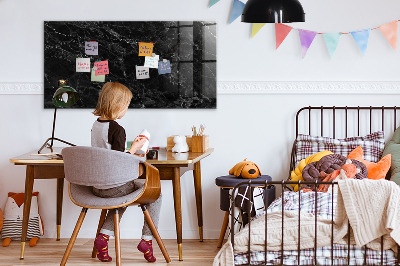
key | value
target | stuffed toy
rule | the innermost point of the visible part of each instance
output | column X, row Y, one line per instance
column 296, row 174
column 245, row 169
column 180, row 144
column 375, row 170
column 13, row 215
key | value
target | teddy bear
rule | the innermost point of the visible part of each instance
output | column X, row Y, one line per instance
column 180, row 144
column 13, row 215
column 245, row 169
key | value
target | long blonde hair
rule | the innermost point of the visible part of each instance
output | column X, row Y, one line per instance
column 112, row 99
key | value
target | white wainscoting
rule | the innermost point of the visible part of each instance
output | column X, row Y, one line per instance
column 260, row 87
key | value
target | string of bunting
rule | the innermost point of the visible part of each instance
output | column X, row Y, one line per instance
column 361, row 37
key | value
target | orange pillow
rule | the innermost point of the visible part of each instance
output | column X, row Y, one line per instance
column 375, row 170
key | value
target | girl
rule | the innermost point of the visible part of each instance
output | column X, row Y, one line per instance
column 113, row 103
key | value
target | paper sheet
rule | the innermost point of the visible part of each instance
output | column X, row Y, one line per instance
column 91, row 48
column 83, row 65
column 102, row 67
column 142, row 72
column 164, row 67
column 145, row 48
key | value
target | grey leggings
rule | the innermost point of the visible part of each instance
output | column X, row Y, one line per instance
column 154, row 208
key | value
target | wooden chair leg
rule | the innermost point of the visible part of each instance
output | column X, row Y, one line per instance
column 223, row 229
column 101, row 222
column 73, row 237
column 117, row 238
column 154, row 230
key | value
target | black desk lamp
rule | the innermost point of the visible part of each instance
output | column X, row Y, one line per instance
column 65, row 96
column 273, row 11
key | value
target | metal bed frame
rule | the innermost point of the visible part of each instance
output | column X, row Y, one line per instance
column 283, row 184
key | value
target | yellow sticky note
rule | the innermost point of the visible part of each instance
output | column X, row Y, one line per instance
column 145, row 48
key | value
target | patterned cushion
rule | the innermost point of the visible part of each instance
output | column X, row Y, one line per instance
column 372, row 144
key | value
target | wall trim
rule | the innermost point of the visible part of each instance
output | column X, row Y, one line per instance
column 309, row 87
column 260, row 87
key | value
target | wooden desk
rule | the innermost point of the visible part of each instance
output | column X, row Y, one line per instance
column 171, row 167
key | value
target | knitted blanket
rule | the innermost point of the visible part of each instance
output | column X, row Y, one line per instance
column 371, row 207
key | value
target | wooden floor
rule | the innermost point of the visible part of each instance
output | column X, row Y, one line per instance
column 50, row 252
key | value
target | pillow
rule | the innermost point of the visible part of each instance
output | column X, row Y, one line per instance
column 372, row 144
column 393, row 148
column 375, row 170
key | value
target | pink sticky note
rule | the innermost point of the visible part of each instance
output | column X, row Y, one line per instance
column 102, row 68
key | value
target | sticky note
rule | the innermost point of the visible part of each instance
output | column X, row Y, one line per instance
column 142, row 72
column 164, row 67
column 145, row 48
column 102, row 67
column 83, row 65
column 151, row 61
column 98, row 78
column 91, row 48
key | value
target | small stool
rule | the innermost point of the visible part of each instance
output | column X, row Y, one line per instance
column 226, row 183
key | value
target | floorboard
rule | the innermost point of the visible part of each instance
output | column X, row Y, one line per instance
column 49, row 252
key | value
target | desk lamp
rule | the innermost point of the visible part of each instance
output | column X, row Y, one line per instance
column 273, row 11
column 65, row 96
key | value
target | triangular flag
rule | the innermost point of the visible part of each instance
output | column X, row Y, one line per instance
column 332, row 41
column 237, row 9
column 361, row 37
column 390, row 32
column 281, row 31
column 306, row 39
column 213, row 2
column 255, row 28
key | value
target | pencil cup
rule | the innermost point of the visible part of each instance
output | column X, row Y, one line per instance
column 200, row 143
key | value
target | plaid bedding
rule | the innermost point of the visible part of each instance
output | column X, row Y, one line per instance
column 323, row 207
column 372, row 145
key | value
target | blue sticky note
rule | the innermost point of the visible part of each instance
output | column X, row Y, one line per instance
column 164, row 67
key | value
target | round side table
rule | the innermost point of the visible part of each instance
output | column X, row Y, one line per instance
column 228, row 182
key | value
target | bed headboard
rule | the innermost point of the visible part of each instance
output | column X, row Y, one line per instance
column 344, row 121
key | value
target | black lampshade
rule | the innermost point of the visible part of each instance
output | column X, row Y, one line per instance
column 273, row 11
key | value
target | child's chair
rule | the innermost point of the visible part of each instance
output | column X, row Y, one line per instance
column 85, row 167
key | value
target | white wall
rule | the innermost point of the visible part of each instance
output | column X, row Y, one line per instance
column 259, row 127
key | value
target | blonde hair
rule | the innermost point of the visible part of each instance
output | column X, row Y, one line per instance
column 112, row 99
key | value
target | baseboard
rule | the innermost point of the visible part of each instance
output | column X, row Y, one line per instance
column 260, row 87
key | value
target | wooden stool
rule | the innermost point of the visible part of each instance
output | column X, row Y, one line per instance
column 226, row 183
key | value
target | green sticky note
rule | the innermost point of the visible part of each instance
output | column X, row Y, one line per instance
column 98, row 78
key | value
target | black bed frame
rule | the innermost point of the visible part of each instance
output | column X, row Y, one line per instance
column 333, row 112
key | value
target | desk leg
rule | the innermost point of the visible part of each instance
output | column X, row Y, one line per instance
column 27, row 206
column 60, row 190
column 176, row 182
column 199, row 204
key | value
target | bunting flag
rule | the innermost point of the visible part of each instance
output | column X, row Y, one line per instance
column 237, row 9
column 213, row 2
column 332, row 41
column 389, row 30
column 306, row 39
column 281, row 31
column 256, row 28
column 361, row 37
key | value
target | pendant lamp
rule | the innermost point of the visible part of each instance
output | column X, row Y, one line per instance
column 65, row 96
column 273, row 11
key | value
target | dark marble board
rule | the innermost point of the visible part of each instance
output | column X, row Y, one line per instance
column 189, row 45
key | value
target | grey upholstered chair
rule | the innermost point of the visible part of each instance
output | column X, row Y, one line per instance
column 85, row 167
